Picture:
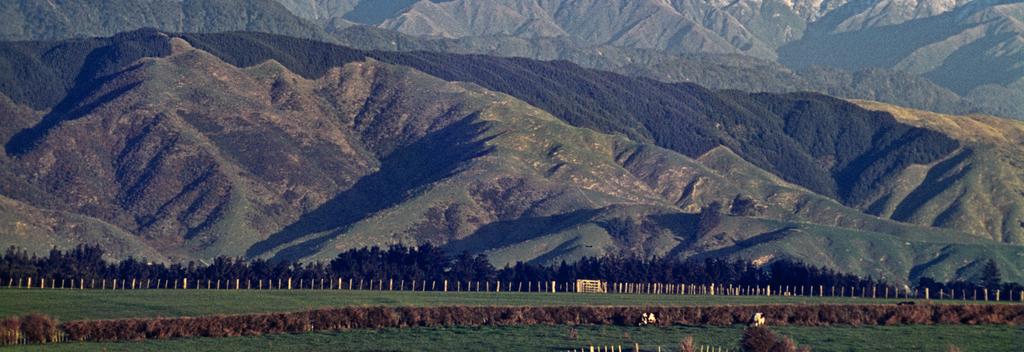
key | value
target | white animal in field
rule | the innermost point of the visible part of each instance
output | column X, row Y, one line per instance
column 757, row 320
column 648, row 319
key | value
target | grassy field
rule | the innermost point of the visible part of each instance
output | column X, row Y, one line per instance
column 991, row 338
column 74, row 305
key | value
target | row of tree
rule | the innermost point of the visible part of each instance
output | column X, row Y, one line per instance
column 429, row 262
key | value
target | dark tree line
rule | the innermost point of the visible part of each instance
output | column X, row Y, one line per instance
column 426, row 262
column 990, row 278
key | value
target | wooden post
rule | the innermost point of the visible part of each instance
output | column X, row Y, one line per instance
column 445, row 285
column 391, row 284
column 997, row 295
column 986, row 293
column 926, row 294
column 636, row 347
column 552, row 287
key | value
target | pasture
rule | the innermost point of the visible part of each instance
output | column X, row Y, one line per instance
column 69, row 304
column 988, row 338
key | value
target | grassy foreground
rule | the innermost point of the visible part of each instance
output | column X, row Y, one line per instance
column 93, row 304
column 989, row 338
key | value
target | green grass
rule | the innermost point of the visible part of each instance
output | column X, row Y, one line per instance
column 68, row 305
column 989, row 338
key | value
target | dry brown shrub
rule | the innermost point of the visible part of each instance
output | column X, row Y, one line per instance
column 686, row 344
column 10, row 328
column 762, row 339
column 39, row 328
column 758, row 339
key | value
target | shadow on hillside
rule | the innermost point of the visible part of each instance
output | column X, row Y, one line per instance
column 100, row 66
column 683, row 226
column 27, row 139
column 504, row 233
column 738, row 246
column 434, row 157
column 939, row 179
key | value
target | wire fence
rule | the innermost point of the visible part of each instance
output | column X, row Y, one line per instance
column 498, row 286
column 636, row 347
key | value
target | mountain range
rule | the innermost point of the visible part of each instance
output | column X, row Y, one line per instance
column 859, row 135
column 180, row 147
column 967, row 64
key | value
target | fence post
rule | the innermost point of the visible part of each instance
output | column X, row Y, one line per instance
column 926, row 296
column 997, row 295
column 985, row 290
